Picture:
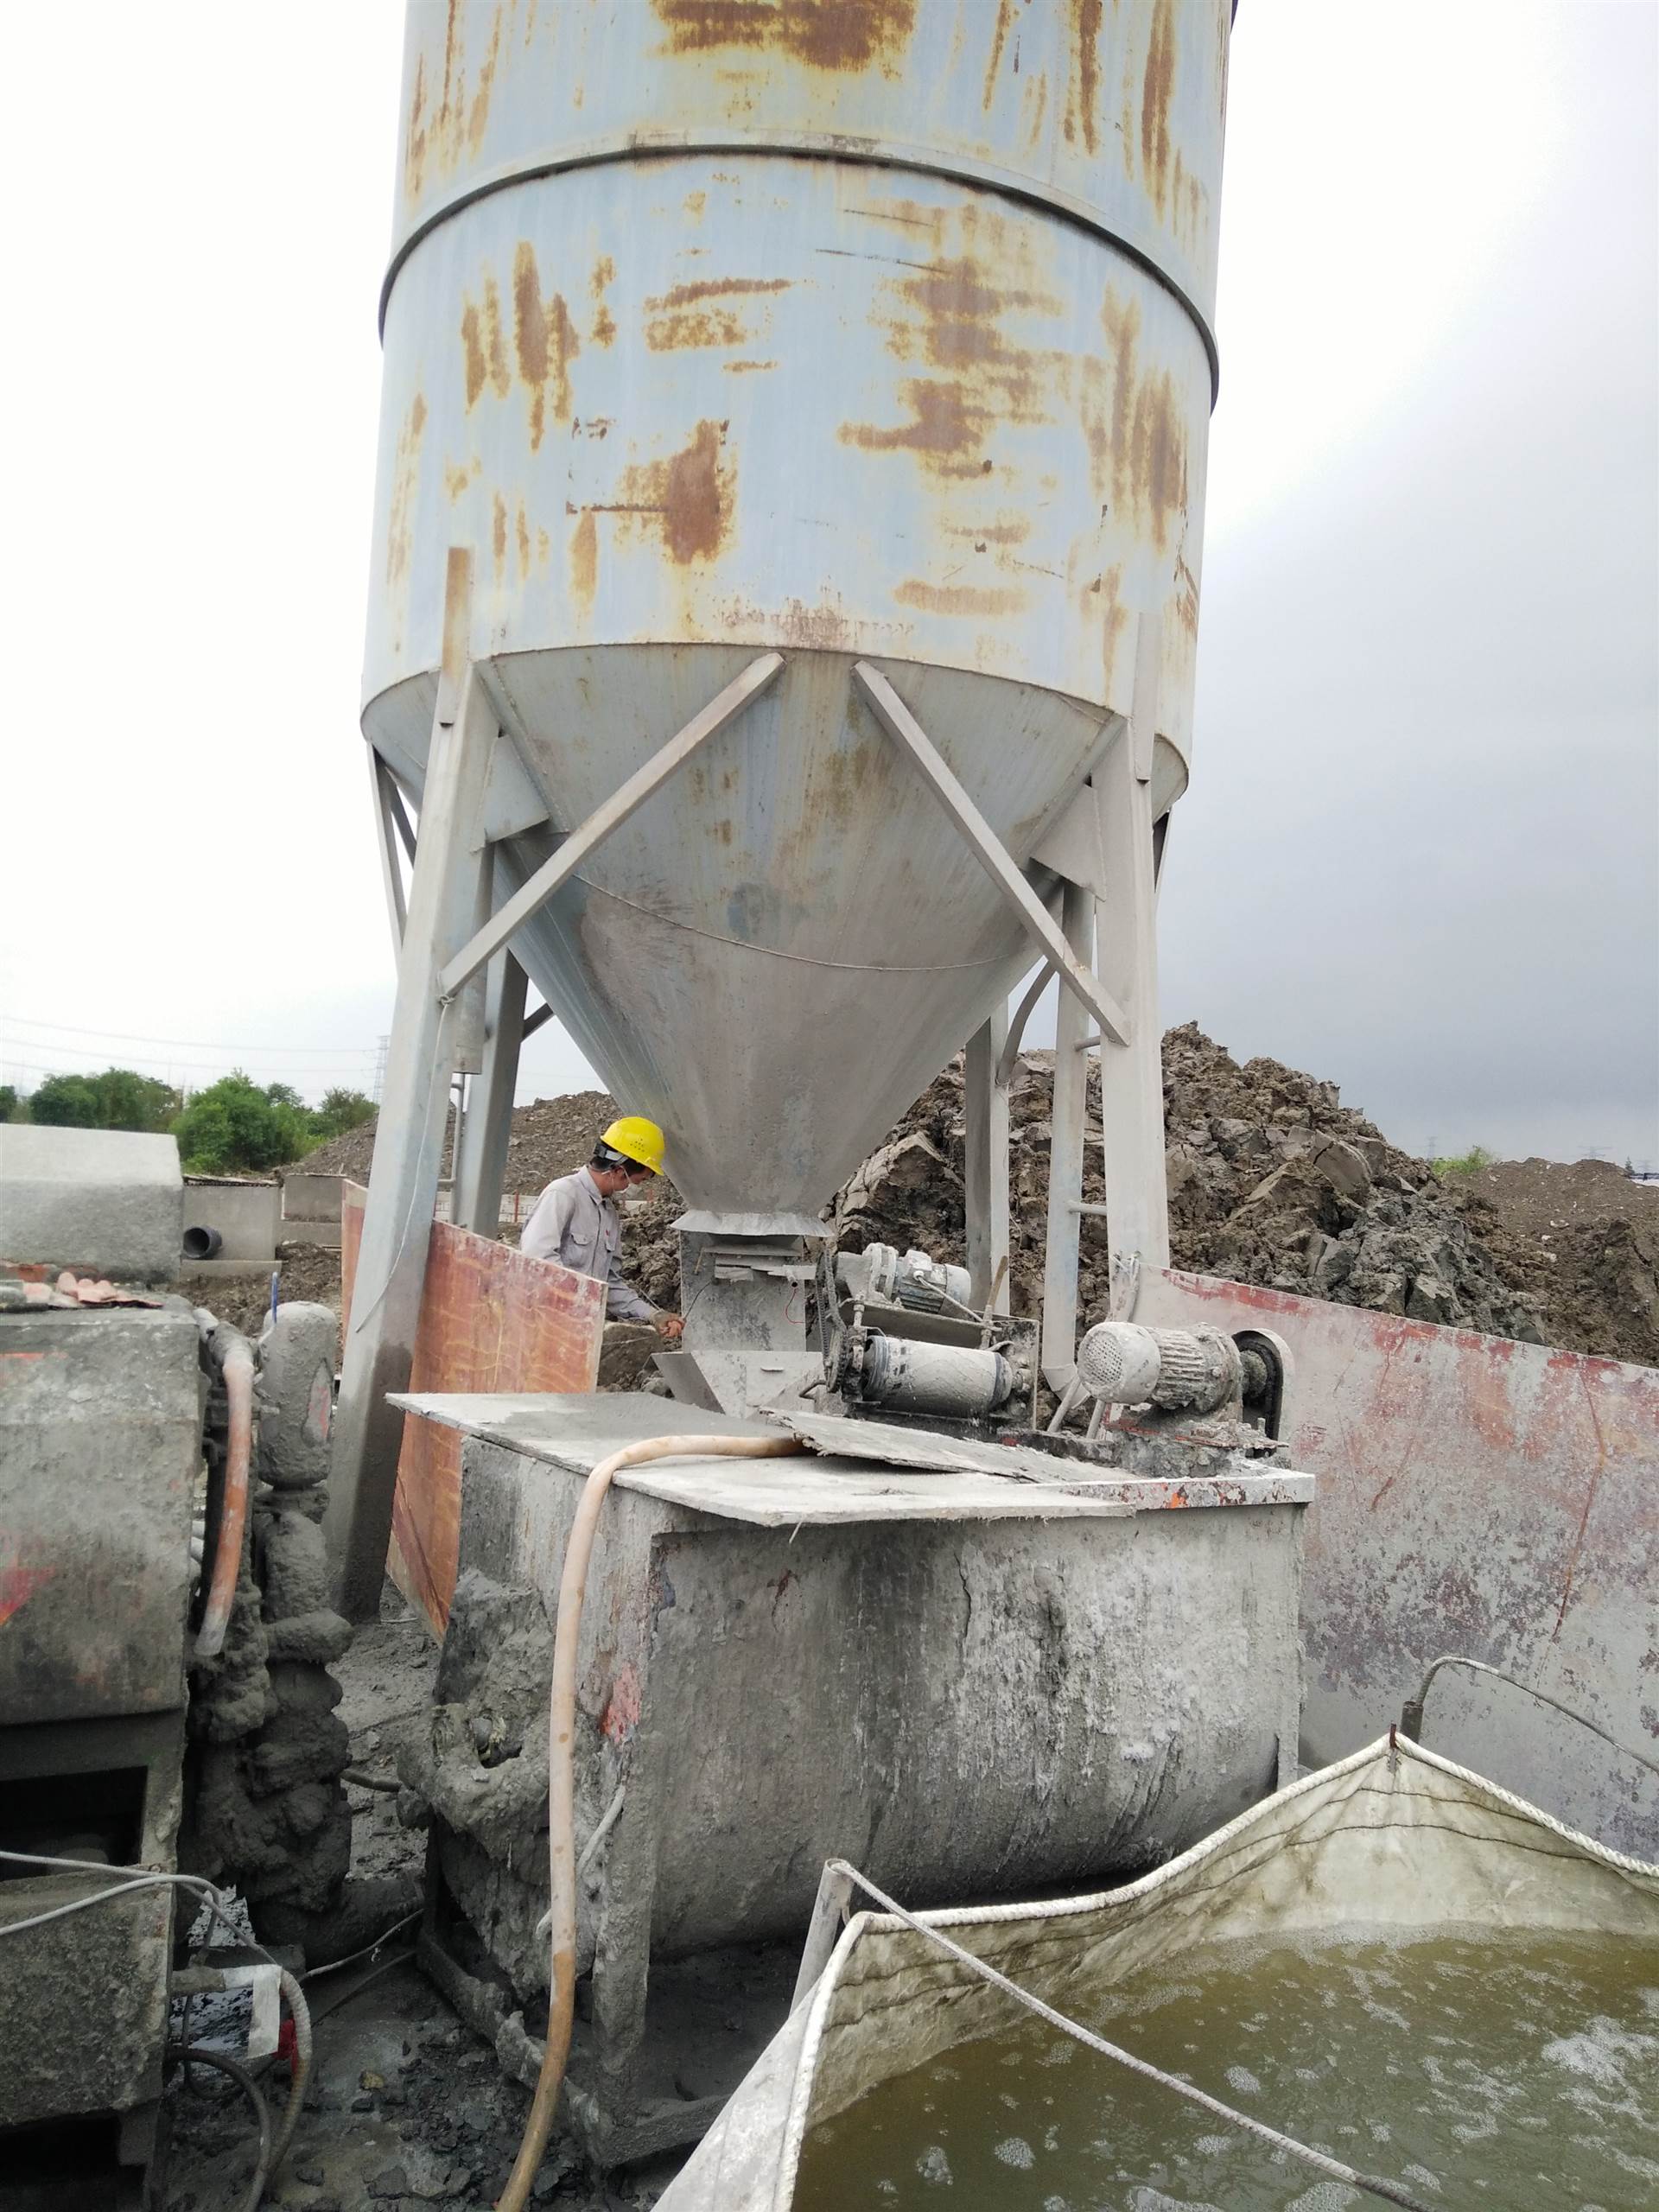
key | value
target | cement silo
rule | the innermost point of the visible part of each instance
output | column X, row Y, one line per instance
column 874, row 336
column 783, row 609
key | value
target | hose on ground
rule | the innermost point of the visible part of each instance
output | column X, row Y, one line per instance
column 300, row 2073
column 235, row 1361
column 561, row 1790
column 250, row 2089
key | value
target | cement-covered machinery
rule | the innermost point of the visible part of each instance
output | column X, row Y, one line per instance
column 101, row 1411
column 143, row 1756
column 783, row 611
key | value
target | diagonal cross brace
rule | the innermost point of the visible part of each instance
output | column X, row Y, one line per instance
column 988, row 850
column 573, row 850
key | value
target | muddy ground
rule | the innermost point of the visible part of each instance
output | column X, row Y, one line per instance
column 407, row 2108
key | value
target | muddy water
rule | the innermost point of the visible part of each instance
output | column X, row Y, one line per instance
column 1522, row 2075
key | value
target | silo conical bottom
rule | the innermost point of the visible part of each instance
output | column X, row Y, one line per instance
column 781, row 948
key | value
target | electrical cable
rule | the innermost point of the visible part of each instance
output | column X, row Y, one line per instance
column 186, row 2053
column 1388, row 2191
column 142, row 1878
column 1411, row 1721
column 336, row 1998
column 368, row 1949
column 193, row 1044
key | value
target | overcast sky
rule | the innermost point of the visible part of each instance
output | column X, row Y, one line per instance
column 1420, row 854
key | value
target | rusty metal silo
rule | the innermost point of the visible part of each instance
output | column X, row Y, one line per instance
column 878, row 330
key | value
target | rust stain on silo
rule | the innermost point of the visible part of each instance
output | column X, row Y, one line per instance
column 1185, row 600
column 838, row 35
column 951, row 316
column 584, row 557
column 524, row 545
column 544, row 338
column 1134, row 428
column 670, row 334
column 603, row 330
column 958, row 599
column 715, row 288
column 1157, row 89
column 406, row 479
column 499, row 536
column 1103, row 602
column 459, row 120
column 999, row 39
column 484, row 345
column 689, row 496
column 1082, row 119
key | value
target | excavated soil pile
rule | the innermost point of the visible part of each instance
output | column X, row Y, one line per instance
column 1584, row 1241
column 552, row 1137
column 1272, row 1181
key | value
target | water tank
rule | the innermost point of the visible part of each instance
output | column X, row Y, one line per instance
column 874, row 328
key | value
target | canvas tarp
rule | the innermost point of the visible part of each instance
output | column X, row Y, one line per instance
column 1391, row 1842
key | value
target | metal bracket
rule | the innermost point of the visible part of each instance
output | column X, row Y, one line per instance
column 988, row 849
column 575, row 848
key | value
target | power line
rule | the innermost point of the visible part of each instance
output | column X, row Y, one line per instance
column 107, row 1056
column 193, row 1044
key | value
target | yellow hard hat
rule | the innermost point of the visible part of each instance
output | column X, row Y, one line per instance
column 636, row 1138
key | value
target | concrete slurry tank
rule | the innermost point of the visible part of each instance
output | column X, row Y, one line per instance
column 878, row 329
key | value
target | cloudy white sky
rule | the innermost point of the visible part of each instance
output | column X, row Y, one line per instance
column 1420, row 852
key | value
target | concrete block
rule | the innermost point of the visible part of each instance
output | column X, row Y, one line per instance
column 101, row 1441
column 104, row 1199
column 245, row 1215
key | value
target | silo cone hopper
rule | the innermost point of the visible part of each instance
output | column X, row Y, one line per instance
column 784, row 594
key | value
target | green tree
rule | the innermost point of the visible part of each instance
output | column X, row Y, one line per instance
column 12, row 1107
column 119, row 1099
column 132, row 1101
column 341, row 1110
column 235, row 1128
column 67, row 1101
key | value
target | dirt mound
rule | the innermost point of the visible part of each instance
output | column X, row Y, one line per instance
column 550, row 1137
column 1272, row 1181
column 1583, row 1240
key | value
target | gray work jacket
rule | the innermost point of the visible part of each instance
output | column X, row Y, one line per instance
column 574, row 1225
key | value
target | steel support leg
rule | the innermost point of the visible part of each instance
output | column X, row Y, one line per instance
column 483, row 1158
column 1131, row 1073
column 391, row 875
column 1059, row 1339
column 985, row 1109
column 408, row 1144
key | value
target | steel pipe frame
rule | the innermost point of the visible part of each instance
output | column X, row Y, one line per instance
column 574, row 849
column 987, row 849
column 448, row 936
column 403, row 1182
column 482, row 1156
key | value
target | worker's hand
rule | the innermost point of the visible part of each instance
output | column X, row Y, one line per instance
column 668, row 1326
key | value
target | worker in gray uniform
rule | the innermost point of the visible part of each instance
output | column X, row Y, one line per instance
column 576, row 1221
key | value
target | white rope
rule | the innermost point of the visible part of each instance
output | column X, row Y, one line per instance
column 1334, row 2167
